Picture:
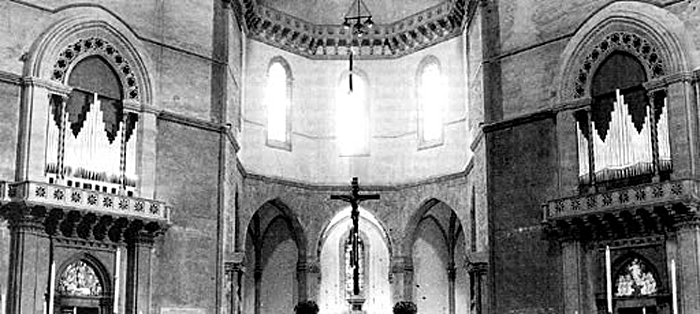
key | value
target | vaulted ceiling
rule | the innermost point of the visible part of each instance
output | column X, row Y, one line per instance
column 312, row 28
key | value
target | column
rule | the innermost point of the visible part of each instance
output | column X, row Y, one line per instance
column 309, row 278
column 451, row 275
column 129, row 120
column 257, row 276
column 477, row 282
column 34, row 111
column 688, row 263
column 147, row 131
column 29, row 263
column 401, row 278
column 682, row 115
column 567, row 142
column 138, row 280
column 235, row 271
column 571, row 272
column 654, row 134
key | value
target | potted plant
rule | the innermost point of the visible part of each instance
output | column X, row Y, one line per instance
column 405, row 307
column 306, row 307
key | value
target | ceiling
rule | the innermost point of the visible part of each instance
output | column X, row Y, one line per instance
column 327, row 12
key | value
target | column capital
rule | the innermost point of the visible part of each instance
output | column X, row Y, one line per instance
column 400, row 264
column 22, row 218
column 53, row 87
column 308, row 266
column 687, row 222
column 478, row 268
column 234, row 267
column 451, row 271
column 131, row 106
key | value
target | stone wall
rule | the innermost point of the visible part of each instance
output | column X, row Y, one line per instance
column 530, row 156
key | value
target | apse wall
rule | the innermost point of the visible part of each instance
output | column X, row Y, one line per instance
column 394, row 154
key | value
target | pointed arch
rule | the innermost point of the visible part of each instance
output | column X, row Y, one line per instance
column 635, row 275
column 64, row 43
column 290, row 218
column 93, row 266
column 662, row 33
column 365, row 215
column 409, row 231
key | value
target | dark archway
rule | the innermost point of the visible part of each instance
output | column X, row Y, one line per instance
column 275, row 244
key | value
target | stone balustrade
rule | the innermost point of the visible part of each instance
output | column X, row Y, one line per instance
column 89, row 201
column 646, row 195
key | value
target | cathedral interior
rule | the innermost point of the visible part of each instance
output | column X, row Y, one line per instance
column 192, row 157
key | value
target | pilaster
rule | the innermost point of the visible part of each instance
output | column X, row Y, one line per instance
column 235, row 270
column 29, row 265
column 682, row 117
column 138, row 280
column 572, row 260
column 146, row 153
column 309, row 279
column 402, row 278
column 479, row 287
column 688, row 255
column 34, row 113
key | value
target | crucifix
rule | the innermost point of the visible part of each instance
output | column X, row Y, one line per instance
column 354, row 199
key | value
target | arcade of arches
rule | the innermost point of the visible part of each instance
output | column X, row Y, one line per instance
column 179, row 157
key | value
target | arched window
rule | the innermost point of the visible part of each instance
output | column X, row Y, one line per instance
column 624, row 130
column 431, row 103
column 349, row 269
column 352, row 121
column 89, row 134
column 80, row 289
column 278, row 97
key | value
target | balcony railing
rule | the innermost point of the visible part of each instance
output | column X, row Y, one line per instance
column 53, row 195
column 646, row 195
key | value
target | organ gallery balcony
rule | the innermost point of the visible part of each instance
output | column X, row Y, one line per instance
column 626, row 211
column 88, row 213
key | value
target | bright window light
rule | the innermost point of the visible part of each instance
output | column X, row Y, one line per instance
column 277, row 100
column 432, row 99
column 351, row 111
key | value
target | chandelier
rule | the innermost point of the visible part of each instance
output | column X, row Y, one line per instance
column 361, row 22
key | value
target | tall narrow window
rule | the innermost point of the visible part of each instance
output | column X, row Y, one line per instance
column 278, row 102
column 90, row 137
column 431, row 98
column 352, row 125
column 620, row 126
column 349, row 269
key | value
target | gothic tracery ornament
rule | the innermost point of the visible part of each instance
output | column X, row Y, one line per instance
column 639, row 47
column 97, row 46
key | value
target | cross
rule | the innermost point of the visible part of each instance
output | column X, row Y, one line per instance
column 355, row 199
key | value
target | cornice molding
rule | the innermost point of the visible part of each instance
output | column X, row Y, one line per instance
column 331, row 42
column 11, row 78
column 519, row 120
column 342, row 187
column 52, row 86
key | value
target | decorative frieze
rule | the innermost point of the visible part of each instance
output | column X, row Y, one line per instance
column 100, row 47
column 88, row 201
column 642, row 49
column 647, row 195
column 418, row 31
